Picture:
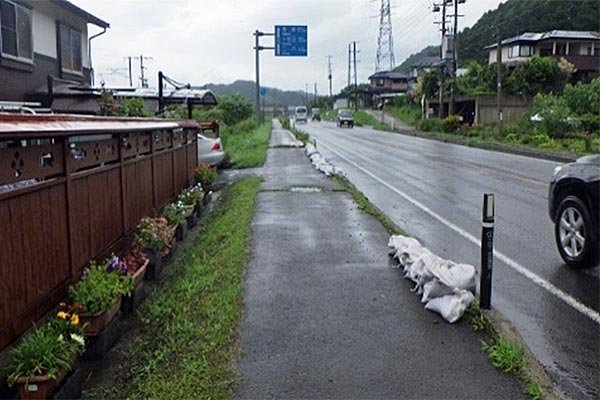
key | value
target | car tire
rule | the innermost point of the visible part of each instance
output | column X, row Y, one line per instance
column 575, row 234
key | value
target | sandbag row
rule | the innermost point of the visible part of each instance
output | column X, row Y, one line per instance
column 320, row 162
column 446, row 287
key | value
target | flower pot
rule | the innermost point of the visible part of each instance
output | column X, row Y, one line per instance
column 138, row 276
column 98, row 321
column 198, row 208
column 192, row 221
column 206, row 198
column 181, row 231
column 189, row 210
column 38, row 387
column 154, row 265
column 41, row 386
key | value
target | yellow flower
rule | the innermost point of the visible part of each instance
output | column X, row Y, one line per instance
column 75, row 319
column 62, row 315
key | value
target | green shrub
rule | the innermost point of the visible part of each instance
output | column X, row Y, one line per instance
column 451, row 123
column 235, row 109
column 133, row 107
column 431, row 125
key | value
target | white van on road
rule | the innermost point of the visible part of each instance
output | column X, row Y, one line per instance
column 301, row 114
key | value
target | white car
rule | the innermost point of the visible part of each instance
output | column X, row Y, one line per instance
column 301, row 114
column 210, row 151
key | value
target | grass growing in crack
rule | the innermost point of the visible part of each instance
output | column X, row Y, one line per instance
column 364, row 204
column 186, row 348
column 506, row 355
column 478, row 320
column 534, row 391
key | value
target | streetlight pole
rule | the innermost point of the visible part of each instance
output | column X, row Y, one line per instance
column 257, row 47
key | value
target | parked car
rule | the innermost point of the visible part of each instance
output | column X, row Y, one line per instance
column 210, row 150
column 300, row 115
column 316, row 114
column 344, row 117
column 573, row 203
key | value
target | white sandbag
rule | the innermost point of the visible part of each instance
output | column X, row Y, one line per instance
column 460, row 276
column 451, row 307
column 434, row 289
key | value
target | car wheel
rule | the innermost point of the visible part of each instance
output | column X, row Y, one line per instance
column 574, row 233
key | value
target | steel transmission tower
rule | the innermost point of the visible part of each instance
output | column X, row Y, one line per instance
column 385, row 41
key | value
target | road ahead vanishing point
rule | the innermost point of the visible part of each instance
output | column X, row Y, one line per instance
column 434, row 191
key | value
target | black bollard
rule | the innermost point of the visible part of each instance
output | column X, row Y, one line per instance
column 487, row 252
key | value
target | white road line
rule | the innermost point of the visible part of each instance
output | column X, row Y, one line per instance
column 538, row 280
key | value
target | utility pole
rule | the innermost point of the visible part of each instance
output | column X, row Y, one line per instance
column 130, row 74
column 329, row 76
column 316, row 93
column 385, row 40
column 355, row 79
column 499, row 79
column 349, row 64
column 443, row 22
column 143, row 80
column 452, row 105
column 258, row 48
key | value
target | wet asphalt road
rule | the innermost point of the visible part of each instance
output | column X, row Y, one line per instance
column 432, row 190
column 326, row 317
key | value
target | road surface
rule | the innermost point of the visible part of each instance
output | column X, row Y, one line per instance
column 434, row 192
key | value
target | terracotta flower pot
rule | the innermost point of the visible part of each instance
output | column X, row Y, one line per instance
column 41, row 386
column 98, row 321
column 138, row 276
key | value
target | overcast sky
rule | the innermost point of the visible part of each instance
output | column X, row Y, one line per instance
column 204, row 41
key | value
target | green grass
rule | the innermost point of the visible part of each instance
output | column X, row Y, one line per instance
column 362, row 118
column 365, row 205
column 187, row 344
column 506, row 355
column 534, row 391
column 246, row 145
column 409, row 114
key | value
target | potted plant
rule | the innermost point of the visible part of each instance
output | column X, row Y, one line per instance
column 206, row 176
column 99, row 295
column 42, row 360
column 175, row 214
column 155, row 236
column 192, row 201
column 136, row 263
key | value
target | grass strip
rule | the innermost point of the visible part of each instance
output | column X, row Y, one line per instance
column 247, row 148
column 187, row 345
column 362, row 118
column 365, row 205
column 504, row 353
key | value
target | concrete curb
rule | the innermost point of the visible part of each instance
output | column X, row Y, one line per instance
column 533, row 368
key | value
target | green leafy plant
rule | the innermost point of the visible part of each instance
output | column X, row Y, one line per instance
column 154, row 234
column 205, row 175
column 451, row 123
column 48, row 350
column 534, row 391
column 506, row 355
column 174, row 213
column 133, row 107
column 97, row 290
column 191, row 196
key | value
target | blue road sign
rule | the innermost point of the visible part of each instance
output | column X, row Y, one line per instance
column 291, row 40
column 263, row 91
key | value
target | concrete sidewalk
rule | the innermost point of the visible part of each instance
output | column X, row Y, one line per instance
column 326, row 317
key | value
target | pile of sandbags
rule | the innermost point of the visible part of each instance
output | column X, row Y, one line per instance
column 445, row 286
column 320, row 162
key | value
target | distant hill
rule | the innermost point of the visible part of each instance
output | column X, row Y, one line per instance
column 429, row 51
column 515, row 17
column 247, row 89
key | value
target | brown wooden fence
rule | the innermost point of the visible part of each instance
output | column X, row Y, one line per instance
column 73, row 189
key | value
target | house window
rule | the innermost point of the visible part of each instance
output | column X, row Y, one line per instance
column 380, row 82
column 525, row 51
column 513, row 52
column 15, row 28
column 70, row 49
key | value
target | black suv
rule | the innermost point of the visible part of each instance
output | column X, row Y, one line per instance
column 573, row 207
